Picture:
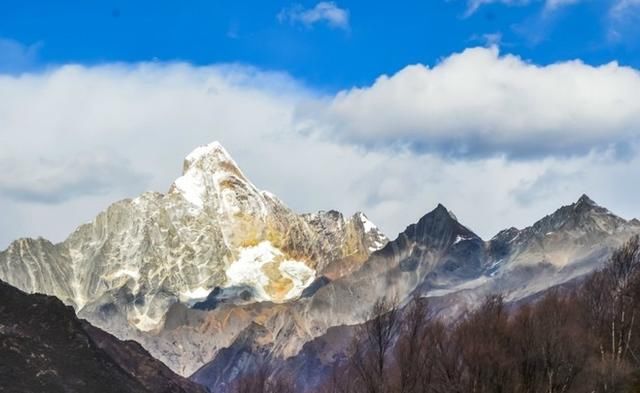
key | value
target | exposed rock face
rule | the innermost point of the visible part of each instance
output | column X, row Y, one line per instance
column 213, row 230
column 45, row 348
column 437, row 245
column 437, row 258
column 573, row 241
column 216, row 271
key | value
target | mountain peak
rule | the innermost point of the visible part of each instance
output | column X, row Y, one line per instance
column 442, row 211
column 207, row 171
column 585, row 200
column 212, row 157
column 439, row 227
column 585, row 205
column 582, row 215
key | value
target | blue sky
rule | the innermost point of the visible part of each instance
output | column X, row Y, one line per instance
column 379, row 37
column 502, row 110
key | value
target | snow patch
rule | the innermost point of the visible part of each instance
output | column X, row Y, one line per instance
column 205, row 150
column 493, row 268
column 366, row 224
column 460, row 238
column 208, row 172
column 300, row 274
column 192, row 187
column 375, row 246
column 247, row 270
column 190, row 295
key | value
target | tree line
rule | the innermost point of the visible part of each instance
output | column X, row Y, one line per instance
column 584, row 340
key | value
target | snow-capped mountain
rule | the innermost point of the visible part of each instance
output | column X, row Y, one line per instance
column 216, row 271
column 213, row 229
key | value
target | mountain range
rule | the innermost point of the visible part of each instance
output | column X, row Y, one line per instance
column 215, row 275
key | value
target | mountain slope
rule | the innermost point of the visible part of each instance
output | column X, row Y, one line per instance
column 45, row 348
column 214, row 231
column 437, row 258
column 437, row 244
column 573, row 241
column 217, row 267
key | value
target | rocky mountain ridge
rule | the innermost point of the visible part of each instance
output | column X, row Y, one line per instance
column 217, row 272
column 212, row 229
column 437, row 258
column 213, row 232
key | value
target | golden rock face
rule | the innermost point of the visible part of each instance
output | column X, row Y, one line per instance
column 279, row 285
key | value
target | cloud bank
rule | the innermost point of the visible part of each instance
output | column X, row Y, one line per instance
column 498, row 140
column 479, row 103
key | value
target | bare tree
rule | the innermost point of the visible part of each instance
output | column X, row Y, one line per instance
column 584, row 340
column 372, row 345
column 610, row 299
column 483, row 338
column 448, row 362
column 412, row 349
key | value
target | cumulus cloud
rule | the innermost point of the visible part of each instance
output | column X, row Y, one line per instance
column 79, row 138
column 325, row 11
column 479, row 103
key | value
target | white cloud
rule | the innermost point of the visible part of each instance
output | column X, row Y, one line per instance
column 56, row 180
column 492, row 39
column 622, row 21
column 555, row 4
column 478, row 103
column 621, row 8
column 131, row 126
column 549, row 5
column 17, row 57
column 488, row 39
column 325, row 11
column 474, row 5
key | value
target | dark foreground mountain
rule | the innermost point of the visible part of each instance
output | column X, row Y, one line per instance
column 45, row 348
